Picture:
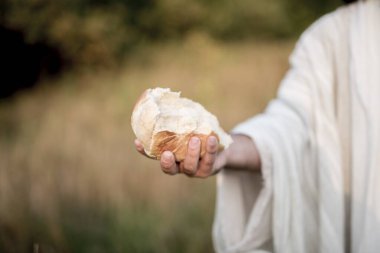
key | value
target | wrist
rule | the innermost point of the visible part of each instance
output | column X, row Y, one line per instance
column 242, row 154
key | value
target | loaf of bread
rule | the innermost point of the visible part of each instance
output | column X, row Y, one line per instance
column 162, row 120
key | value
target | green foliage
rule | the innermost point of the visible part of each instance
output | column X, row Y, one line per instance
column 100, row 32
column 302, row 13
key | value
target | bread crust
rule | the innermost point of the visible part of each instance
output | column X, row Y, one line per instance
column 177, row 143
column 163, row 121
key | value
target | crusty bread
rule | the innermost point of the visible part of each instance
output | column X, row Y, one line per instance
column 162, row 120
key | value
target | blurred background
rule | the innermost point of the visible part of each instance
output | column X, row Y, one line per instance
column 71, row 71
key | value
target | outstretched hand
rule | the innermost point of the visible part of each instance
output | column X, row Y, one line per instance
column 242, row 154
column 193, row 165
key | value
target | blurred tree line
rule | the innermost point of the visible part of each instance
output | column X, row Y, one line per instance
column 101, row 32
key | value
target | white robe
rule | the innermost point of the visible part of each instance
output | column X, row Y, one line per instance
column 319, row 143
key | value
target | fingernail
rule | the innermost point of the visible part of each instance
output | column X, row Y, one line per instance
column 212, row 140
column 194, row 142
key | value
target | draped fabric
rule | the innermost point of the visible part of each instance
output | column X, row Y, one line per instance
column 319, row 143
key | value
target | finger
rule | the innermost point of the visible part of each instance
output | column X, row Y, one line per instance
column 168, row 164
column 141, row 150
column 139, row 147
column 207, row 162
column 220, row 162
column 190, row 164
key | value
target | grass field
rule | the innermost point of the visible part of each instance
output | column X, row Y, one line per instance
column 70, row 179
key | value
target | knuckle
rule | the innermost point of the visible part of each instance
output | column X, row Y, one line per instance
column 190, row 162
column 209, row 163
column 189, row 170
column 193, row 154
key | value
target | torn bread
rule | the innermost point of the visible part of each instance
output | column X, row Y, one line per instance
column 162, row 121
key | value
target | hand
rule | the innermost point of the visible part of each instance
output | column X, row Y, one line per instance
column 241, row 155
column 193, row 165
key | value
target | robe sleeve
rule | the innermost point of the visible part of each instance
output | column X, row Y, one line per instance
column 277, row 209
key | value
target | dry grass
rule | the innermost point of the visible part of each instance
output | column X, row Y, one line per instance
column 70, row 177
